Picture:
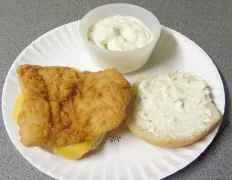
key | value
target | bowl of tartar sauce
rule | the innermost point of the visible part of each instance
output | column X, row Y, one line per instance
column 120, row 36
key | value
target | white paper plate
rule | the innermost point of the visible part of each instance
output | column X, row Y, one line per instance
column 130, row 158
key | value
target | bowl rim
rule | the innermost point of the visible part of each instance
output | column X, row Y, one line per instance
column 115, row 51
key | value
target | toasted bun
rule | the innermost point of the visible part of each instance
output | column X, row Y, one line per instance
column 193, row 120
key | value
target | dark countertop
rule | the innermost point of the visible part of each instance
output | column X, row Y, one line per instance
column 207, row 22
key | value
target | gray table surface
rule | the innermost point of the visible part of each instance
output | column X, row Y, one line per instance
column 208, row 23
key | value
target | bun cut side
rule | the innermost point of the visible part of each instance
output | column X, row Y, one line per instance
column 172, row 110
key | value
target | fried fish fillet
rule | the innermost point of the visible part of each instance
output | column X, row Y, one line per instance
column 63, row 106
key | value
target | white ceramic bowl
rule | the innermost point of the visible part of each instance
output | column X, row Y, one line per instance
column 124, row 61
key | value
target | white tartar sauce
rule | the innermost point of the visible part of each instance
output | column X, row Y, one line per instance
column 175, row 105
column 120, row 33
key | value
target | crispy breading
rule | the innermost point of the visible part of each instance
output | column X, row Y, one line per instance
column 63, row 106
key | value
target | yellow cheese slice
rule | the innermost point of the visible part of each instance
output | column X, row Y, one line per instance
column 17, row 107
column 73, row 152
